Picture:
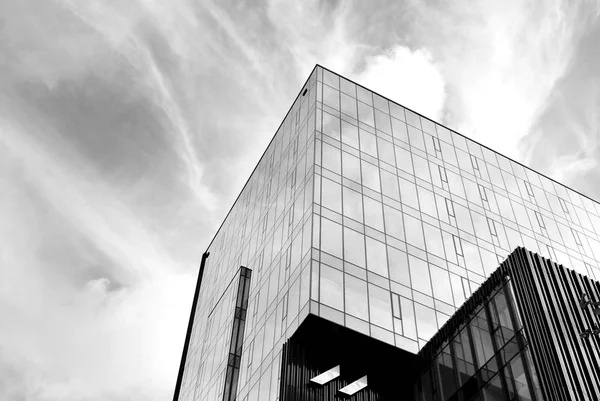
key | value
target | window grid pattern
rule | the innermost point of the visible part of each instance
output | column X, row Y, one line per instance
column 268, row 230
column 373, row 217
column 486, row 358
column 410, row 217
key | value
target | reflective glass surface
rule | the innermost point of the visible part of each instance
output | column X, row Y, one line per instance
column 484, row 358
column 269, row 231
column 413, row 209
column 376, row 218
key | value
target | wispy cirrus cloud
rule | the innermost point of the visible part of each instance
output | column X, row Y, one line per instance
column 127, row 130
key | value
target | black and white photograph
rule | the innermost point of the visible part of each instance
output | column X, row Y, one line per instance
column 317, row 200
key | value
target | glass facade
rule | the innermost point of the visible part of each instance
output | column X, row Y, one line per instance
column 487, row 358
column 411, row 217
column 269, row 231
column 373, row 217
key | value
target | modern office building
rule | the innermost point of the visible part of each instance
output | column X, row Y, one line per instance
column 364, row 225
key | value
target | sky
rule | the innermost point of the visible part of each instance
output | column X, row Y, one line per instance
column 128, row 128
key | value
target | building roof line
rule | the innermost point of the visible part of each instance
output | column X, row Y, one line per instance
column 261, row 157
column 458, row 133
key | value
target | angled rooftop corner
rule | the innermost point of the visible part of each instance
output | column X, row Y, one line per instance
column 370, row 216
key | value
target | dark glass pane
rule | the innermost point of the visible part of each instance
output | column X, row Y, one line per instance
column 482, row 340
column 427, row 386
column 446, row 369
column 493, row 390
column 521, row 383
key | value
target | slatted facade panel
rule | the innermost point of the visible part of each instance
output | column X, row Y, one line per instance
column 548, row 296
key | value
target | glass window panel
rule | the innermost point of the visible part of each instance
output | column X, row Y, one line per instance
column 493, row 390
column 521, row 214
column 373, row 213
column 455, row 183
column 398, row 266
column 347, row 87
column 351, row 167
column 505, row 208
column 489, row 261
column 380, row 103
column 365, row 114
column 463, row 218
column 382, row 121
column 353, row 207
column 408, row 193
column 446, row 371
column 331, row 97
column 482, row 230
column 472, row 191
column 399, row 130
column 413, row 119
column 472, row 259
column 350, row 134
column 368, row 143
column 501, row 304
column 376, row 257
column 389, row 185
column 331, row 237
column 441, row 284
column 567, row 236
column 364, row 95
column 421, row 168
column 464, row 161
column 331, row 158
column 380, row 307
column 448, row 154
column 511, row 183
column 386, row 151
column 348, row 105
column 393, row 222
column 408, row 318
column 397, row 111
column 331, row 79
column 521, row 383
column 482, row 340
column 457, row 289
column 427, row 201
column 356, row 297
column 331, row 126
column 354, row 247
column 404, row 159
column 416, row 138
column 370, row 176
column 428, row 126
column 331, row 195
column 331, row 290
column 414, row 231
column 419, row 273
column 433, row 239
column 426, row 323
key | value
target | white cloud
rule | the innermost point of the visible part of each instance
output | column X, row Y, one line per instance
column 410, row 78
column 500, row 61
column 569, row 167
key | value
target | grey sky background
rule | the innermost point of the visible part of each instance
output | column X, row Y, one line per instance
column 127, row 129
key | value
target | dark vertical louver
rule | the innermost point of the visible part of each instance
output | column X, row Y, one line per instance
column 547, row 297
column 237, row 336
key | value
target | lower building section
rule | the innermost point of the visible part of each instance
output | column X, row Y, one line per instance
column 529, row 333
column 353, row 366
